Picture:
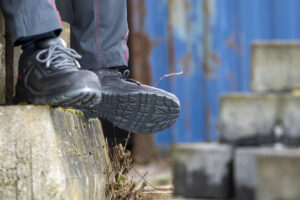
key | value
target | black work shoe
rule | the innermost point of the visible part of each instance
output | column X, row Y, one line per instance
column 52, row 76
column 132, row 106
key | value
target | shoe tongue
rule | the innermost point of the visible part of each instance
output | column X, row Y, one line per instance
column 49, row 42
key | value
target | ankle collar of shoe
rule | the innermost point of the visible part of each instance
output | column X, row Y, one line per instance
column 52, row 41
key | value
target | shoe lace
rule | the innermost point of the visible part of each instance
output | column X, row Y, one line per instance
column 126, row 75
column 59, row 57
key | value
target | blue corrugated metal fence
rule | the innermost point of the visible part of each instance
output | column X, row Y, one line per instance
column 210, row 41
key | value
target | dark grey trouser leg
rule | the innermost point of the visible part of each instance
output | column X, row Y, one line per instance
column 99, row 31
column 26, row 18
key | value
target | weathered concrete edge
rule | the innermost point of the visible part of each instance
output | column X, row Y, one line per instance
column 86, row 126
column 279, row 99
column 27, row 147
column 183, row 151
column 275, row 43
column 256, row 44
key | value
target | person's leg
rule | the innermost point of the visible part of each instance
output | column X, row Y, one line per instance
column 27, row 18
column 99, row 31
column 48, row 71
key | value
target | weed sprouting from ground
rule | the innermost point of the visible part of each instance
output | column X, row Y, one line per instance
column 119, row 186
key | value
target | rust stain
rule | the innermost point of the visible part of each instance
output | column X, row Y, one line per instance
column 205, row 66
column 206, row 8
column 187, row 115
column 171, row 3
column 140, row 43
column 207, row 123
column 231, row 42
column 187, row 63
column 188, row 6
column 141, row 50
column 206, row 40
column 171, row 52
column 211, row 62
column 171, row 47
column 141, row 9
column 216, row 60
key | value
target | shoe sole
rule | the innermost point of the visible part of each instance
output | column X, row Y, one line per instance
column 83, row 97
column 138, row 113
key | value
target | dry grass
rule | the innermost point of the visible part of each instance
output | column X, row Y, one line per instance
column 119, row 186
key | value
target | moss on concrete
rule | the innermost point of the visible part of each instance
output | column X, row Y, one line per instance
column 51, row 154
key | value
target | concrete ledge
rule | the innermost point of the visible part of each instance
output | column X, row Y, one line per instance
column 278, row 176
column 50, row 154
column 266, row 173
column 202, row 170
column 275, row 66
column 250, row 119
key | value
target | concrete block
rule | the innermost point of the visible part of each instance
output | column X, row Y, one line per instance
column 278, row 176
column 275, row 66
column 202, row 170
column 249, row 166
column 253, row 119
column 50, row 154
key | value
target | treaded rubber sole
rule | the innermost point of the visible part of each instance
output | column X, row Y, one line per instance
column 137, row 113
column 83, row 97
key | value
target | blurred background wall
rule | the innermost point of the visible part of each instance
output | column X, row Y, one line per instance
column 210, row 41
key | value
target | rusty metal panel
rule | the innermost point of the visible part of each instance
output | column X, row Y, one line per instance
column 141, row 46
column 209, row 40
column 186, row 52
column 222, row 58
column 233, row 26
column 165, row 38
column 148, row 42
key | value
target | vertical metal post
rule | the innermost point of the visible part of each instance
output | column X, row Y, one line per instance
column 140, row 46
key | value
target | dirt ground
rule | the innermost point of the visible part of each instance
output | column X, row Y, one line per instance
column 158, row 177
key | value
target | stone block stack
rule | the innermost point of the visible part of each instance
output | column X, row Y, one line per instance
column 258, row 153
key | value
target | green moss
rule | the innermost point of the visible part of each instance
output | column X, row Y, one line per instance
column 70, row 110
column 162, row 181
